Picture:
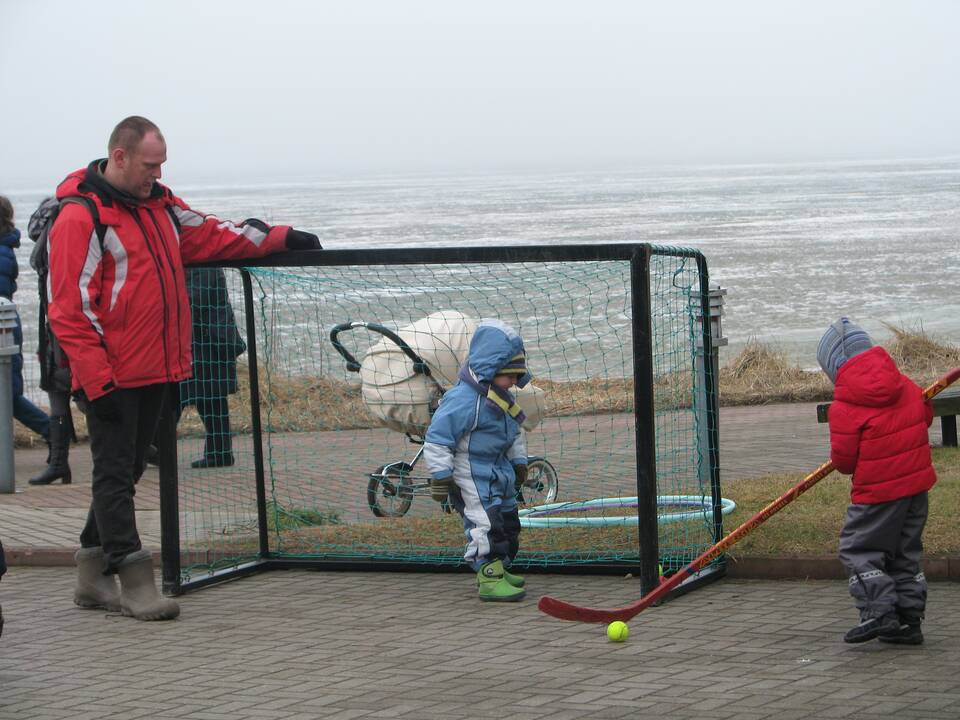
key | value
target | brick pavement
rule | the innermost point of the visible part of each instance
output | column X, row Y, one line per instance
column 298, row 644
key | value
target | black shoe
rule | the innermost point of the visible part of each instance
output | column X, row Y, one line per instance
column 872, row 628
column 152, row 456
column 51, row 475
column 213, row 461
column 907, row 633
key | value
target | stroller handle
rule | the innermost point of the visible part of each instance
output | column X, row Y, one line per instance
column 419, row 366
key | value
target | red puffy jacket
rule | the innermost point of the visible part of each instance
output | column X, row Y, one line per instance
column 878, row 430
column 120, row 311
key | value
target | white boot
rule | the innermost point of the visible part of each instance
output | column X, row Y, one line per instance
column 138, row 592
column 94, row 589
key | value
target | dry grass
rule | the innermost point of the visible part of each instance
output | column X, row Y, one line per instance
column 922, row 357
column 300, row 403
column 811, row 524
column 763, row 374
column 587, row 397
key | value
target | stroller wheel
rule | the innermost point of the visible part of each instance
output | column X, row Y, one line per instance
column 541, row 486
column 390, row 490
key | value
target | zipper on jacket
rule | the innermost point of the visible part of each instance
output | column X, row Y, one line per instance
column 176, row 289
column 163, row 287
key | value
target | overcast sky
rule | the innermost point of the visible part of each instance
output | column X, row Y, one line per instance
column 277, row 89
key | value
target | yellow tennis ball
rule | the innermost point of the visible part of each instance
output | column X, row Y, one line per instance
column 618, row 631
column 660, row 569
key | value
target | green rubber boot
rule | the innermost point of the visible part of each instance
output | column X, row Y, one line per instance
column 515, row 580
column 494, row 587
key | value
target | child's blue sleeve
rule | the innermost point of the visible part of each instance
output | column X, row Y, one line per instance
column 517, row 454
column 450, row 423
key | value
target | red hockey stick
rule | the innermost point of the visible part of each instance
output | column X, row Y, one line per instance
column 567, row 611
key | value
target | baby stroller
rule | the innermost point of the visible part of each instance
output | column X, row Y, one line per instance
column 403, row 376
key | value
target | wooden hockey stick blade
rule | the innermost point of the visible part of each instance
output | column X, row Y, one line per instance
column 568, row 611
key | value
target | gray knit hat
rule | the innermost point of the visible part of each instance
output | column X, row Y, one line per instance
column 839, row 343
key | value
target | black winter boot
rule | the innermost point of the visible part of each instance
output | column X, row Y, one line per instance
column 872, row 628
column 58, row 467
column 908, row 632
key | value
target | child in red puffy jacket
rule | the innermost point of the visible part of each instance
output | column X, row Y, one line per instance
column 878, row 433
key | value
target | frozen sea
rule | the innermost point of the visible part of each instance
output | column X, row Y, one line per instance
column 795, row 245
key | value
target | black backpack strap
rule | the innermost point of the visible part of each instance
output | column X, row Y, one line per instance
column 91, row 206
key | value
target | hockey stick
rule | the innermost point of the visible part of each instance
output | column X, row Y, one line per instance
column 568, row 611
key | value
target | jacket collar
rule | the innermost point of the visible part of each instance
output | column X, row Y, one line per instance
column 94, row 181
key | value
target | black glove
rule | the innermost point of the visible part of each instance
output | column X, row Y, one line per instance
column 300, row 240
column 521, row 473
column 107, row 408
column 440, row 489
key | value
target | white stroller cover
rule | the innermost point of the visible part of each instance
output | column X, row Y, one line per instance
column 404, row 400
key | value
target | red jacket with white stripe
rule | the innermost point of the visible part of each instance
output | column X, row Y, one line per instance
column 121, row 312
column 878, row 430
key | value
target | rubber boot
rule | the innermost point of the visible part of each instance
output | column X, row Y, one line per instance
column 94, row 589
column 515, row 580
column 58, row 467
column 138, row 591
column 494, row 587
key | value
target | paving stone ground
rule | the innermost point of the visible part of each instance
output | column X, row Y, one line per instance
column 293, row 645
column 298, row 645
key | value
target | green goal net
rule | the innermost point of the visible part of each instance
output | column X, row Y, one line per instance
column 352, row 360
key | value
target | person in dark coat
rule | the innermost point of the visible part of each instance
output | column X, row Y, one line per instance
column 216, row 346
column 55, row 376
column 23, row 410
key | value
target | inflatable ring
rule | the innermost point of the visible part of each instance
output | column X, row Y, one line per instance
column 540, row 516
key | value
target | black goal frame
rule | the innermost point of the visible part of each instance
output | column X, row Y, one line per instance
column 638, row 255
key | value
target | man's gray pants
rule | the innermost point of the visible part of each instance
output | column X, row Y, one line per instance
column 880, row 547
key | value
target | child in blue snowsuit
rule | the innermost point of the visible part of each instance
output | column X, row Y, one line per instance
column 476, row 447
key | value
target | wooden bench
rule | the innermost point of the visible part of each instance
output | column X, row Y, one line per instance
column 946, row 406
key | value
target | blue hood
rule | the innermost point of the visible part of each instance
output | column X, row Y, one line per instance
column 11, row 238
column 493, row 345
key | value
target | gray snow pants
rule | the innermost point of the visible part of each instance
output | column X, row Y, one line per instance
column 880, row 547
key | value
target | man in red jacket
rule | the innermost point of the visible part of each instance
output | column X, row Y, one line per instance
column 878, row 433
column 119, row 308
